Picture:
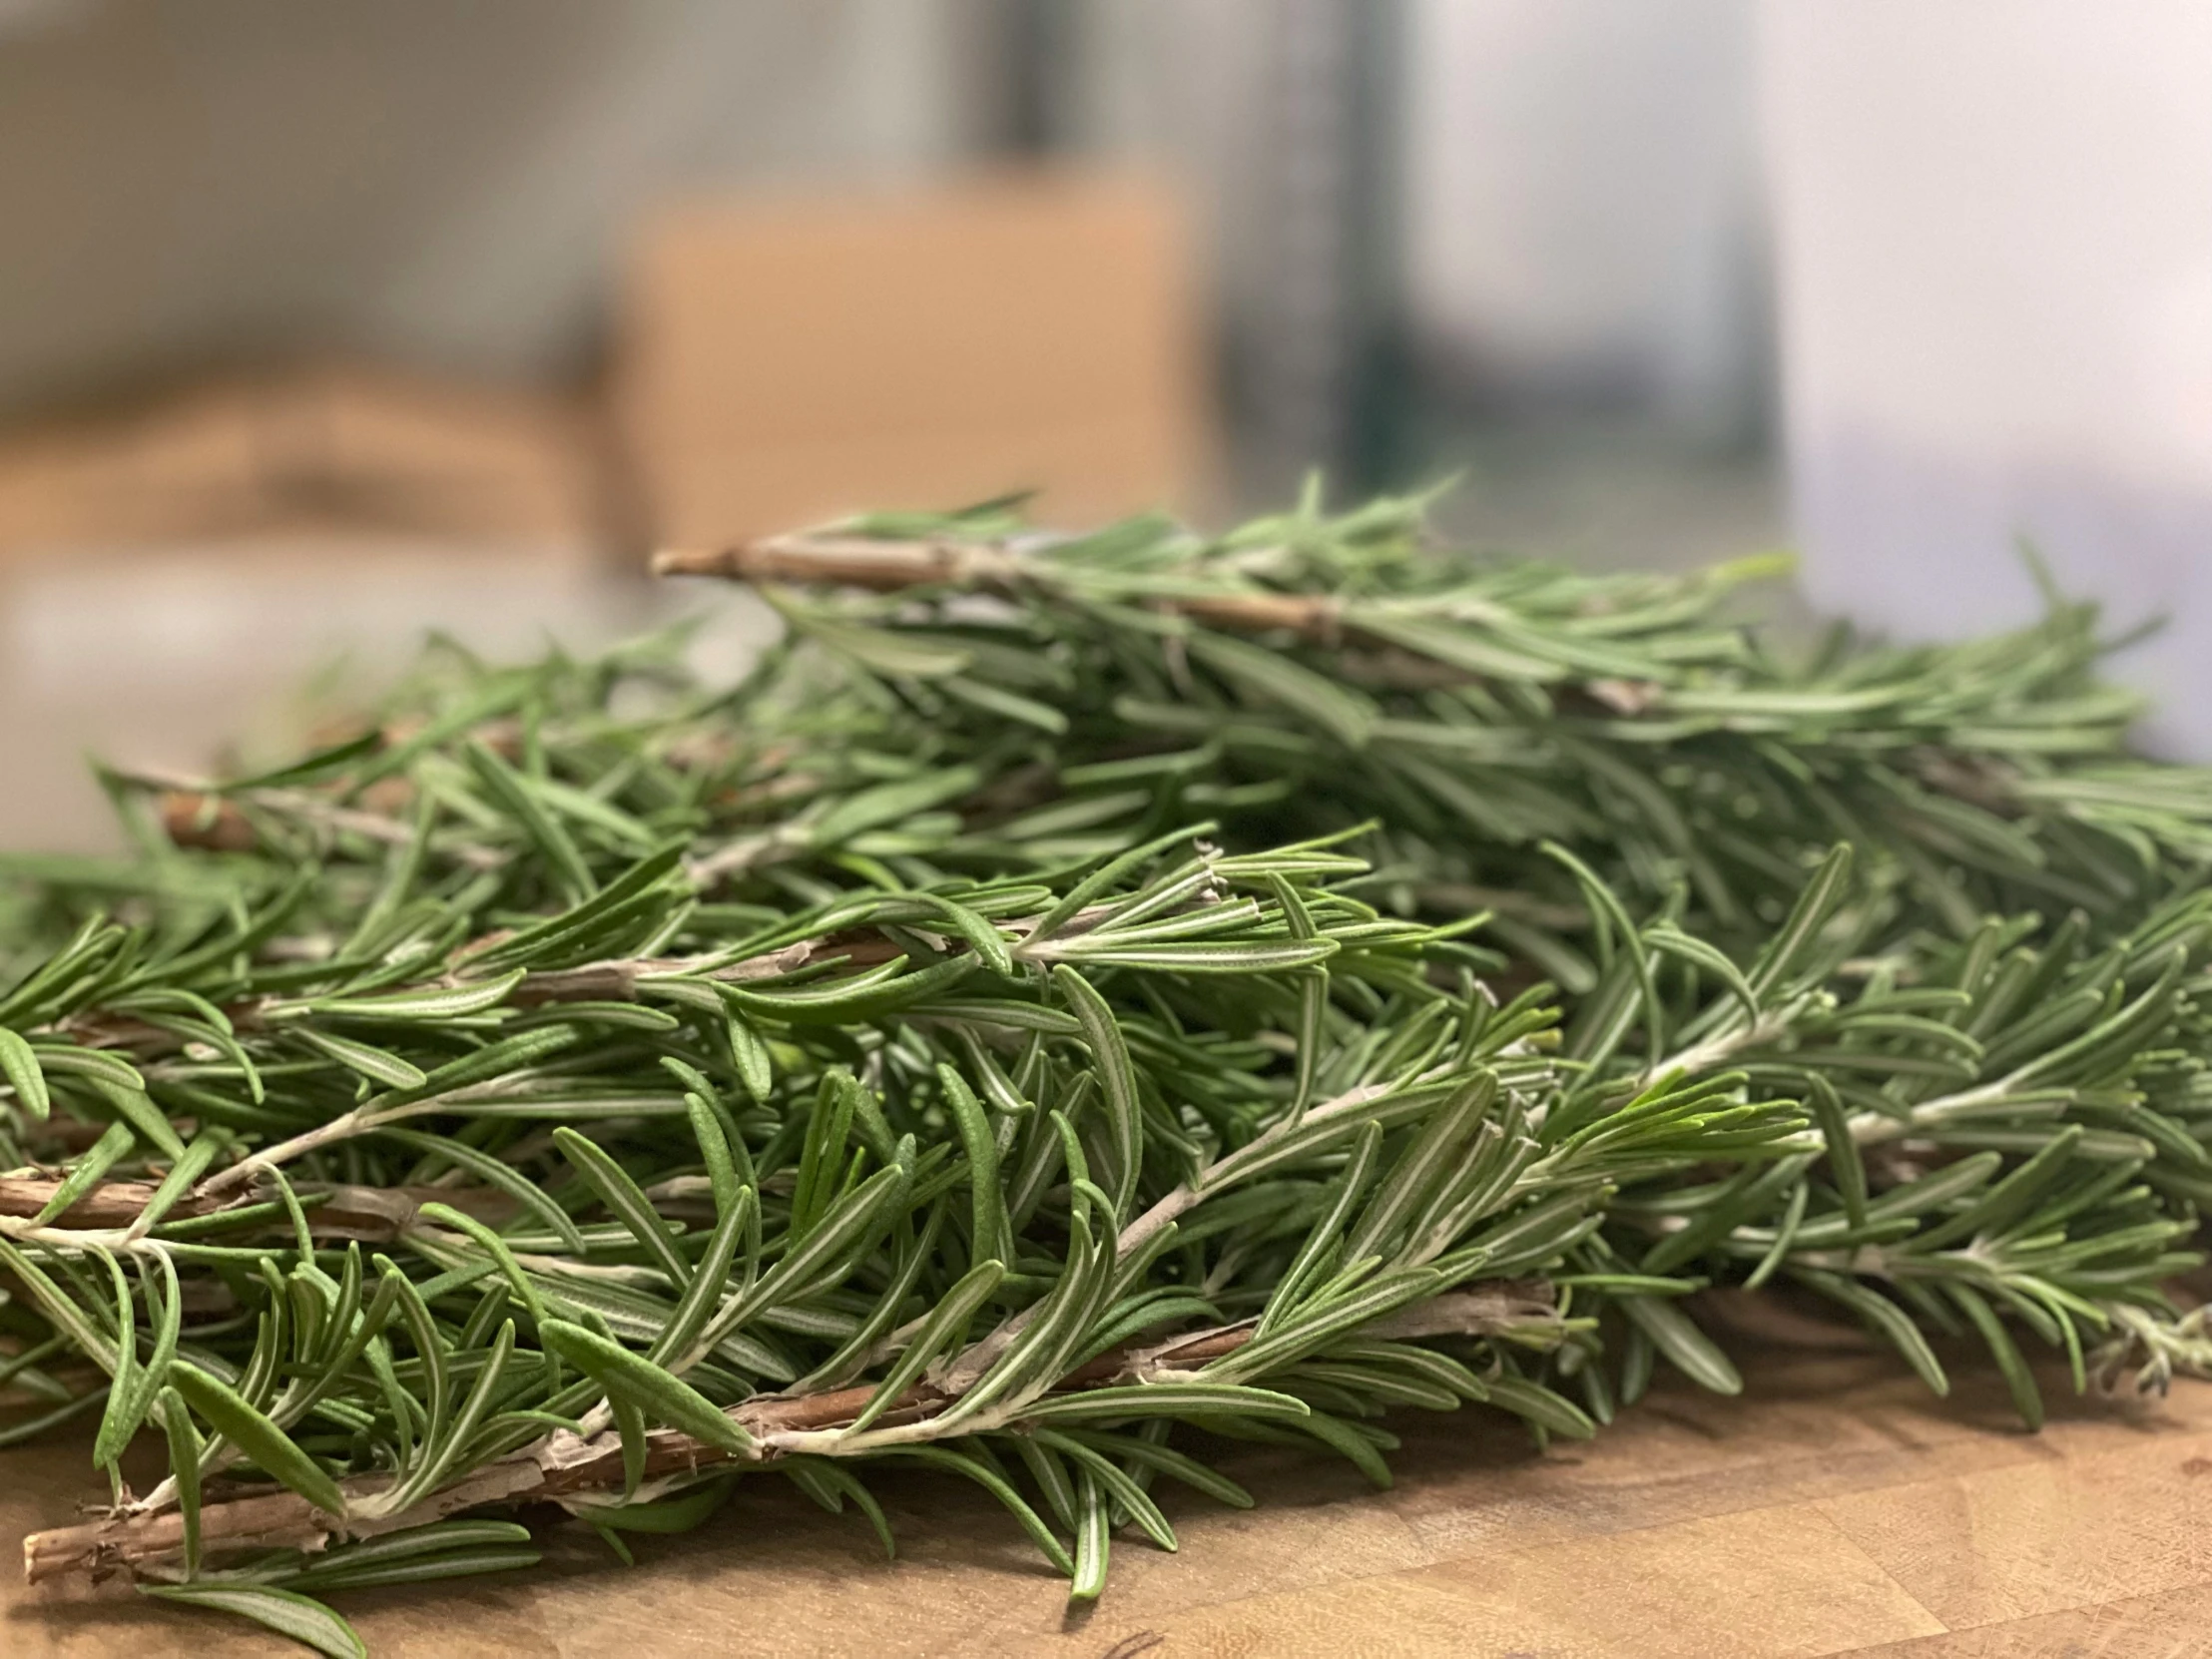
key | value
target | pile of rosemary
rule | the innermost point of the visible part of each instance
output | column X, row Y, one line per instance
column 1074, row 1002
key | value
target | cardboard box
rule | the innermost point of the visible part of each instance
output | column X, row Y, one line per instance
column 349, row 451
column 785, row 361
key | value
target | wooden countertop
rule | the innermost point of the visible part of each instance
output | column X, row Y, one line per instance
column 1836, row 1508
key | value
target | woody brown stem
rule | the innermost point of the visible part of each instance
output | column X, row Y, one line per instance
column 562, row 1465
column 372, row 1214
column 852, row 562
column 603, row 981
column 980, row 567
column 890, row 566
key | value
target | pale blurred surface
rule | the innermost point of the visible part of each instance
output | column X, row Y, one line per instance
column 1993, row 225
column 1835, row 1509
column 179, row 660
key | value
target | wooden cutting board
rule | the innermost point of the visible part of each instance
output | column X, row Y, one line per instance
column 1836, row 1508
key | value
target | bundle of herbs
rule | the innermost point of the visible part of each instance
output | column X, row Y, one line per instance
column 1072, row 1003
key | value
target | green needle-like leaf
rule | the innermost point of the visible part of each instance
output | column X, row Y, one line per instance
column 19, row 1065
column 663, row 1396
column 287, row 1612
column 251, row 1431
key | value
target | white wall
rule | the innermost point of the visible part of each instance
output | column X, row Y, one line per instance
column 1995, row 237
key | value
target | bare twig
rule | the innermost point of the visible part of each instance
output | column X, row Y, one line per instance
column 563, row 1466
column 890, row 566
column 371, row 1214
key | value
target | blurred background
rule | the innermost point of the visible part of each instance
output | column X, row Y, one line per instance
column 324, row 324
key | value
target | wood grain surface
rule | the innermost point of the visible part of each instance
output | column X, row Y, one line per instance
column 1835, row 1509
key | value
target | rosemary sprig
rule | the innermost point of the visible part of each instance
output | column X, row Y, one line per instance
column 1218, row 987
